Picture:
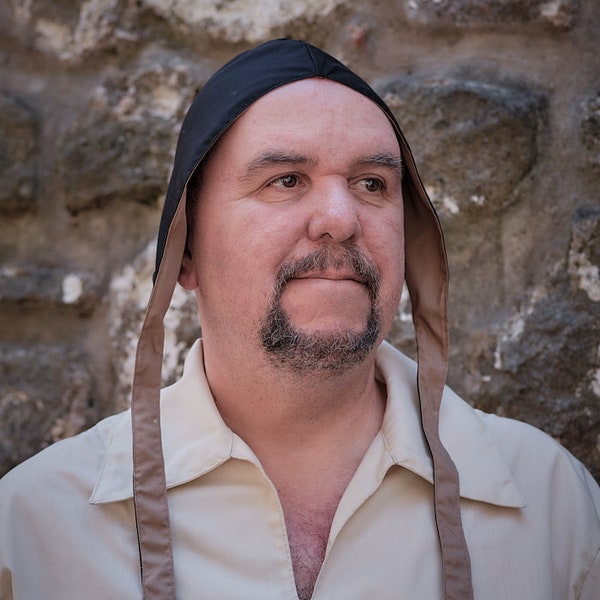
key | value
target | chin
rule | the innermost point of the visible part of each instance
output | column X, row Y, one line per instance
column 301, row 351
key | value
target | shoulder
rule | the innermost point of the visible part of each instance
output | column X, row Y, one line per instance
column 534, row 454
column 68, row 467
column 533, row 457
column 48, row 523
column 562, row 499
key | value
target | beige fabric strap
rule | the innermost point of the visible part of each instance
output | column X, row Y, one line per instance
column 427, row 281
column 149, row 482
column 456, row 563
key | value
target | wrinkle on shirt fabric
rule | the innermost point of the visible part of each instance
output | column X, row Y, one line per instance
column 531, row 512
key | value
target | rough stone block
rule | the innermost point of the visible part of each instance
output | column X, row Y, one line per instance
column 37, row 286
column 103, row 161
column 547, row 362
column 589, row 128
column 73, row 30
column 45, row 395
column 559, row 14
column 18, row 151
column 122, row 146
column 545, row 366
column 128, row 297
column 584, row 252
column 474, row 142
column 241, row 20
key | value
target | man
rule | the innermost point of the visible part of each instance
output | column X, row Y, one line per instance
column 302, row 455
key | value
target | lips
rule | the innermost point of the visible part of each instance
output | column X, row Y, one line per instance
column 333, row 263
column 332, row 276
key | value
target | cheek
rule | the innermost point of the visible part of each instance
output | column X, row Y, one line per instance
column 237, row 264
column 392, row 283
column 391, row 251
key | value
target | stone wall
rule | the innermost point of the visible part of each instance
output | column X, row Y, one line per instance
column 499, row 98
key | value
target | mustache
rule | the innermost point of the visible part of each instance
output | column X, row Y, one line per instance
column 328, row 257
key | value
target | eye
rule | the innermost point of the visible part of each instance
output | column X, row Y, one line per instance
column 285, row 181
column 372, row 184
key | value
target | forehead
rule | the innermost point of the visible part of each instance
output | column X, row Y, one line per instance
column 313, row 113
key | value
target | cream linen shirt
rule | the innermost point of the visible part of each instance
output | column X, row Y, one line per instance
column 530, row 510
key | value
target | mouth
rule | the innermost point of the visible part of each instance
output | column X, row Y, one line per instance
column 343, row 264
column 332, row 276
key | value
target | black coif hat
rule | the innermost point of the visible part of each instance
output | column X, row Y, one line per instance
column 230, row 91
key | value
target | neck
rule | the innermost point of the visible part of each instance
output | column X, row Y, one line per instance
column 310, row 432
column 283, row 413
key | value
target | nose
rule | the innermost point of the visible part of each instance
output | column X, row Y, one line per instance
column 334, row 213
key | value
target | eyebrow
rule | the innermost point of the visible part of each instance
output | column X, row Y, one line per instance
column 275, row 157
column 394, row 163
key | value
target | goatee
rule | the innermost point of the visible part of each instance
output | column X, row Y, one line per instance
column 334, row 351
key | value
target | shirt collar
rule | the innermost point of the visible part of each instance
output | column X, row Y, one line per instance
column 194, row 436
column 484, row 474
column 196, row 439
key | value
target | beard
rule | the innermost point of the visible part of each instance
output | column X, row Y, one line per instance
column 333, row 351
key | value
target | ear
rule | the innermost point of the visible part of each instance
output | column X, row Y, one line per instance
column 187, row 273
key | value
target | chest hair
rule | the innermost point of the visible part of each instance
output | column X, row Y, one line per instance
column 308, row 532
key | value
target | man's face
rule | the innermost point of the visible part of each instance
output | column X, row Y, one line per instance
column 297, row 241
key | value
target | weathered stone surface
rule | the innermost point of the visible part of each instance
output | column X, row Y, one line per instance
column 474, row 142
column 73, row 30
column 46, row 394
column 18, row 149
column 108, row 83
column 584, row 252
column 589, row 128
column 547, row 364
column 122, row 147
column 104, row 161
column 38, row 285
column 241, row 20
column 554, row 13
column 544, row 365
column 129, row 293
